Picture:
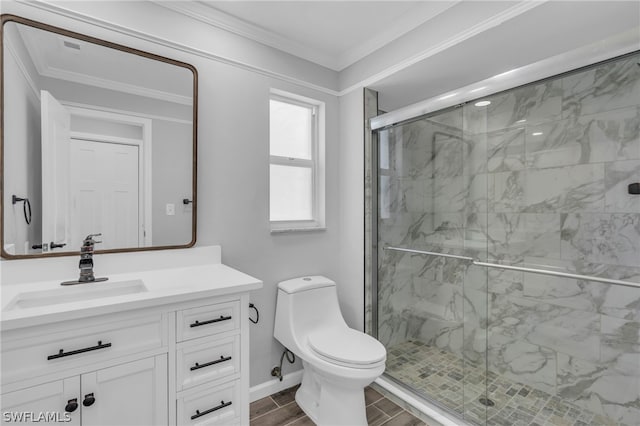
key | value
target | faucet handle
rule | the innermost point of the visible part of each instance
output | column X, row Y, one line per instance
column 88, row 240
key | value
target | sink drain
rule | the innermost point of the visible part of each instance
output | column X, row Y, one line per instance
column 486, row 402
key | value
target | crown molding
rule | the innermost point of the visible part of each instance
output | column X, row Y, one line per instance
column 45, row 70
column 35, row 92
column 460, row 37
column 126, row 112
column 218, row 19
column 117, row 86
column 423, row 12
column 120, row 29
column 518, row 9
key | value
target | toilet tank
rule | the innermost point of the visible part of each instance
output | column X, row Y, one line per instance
column 303, row 305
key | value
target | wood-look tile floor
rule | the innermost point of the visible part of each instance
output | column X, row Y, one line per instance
column 280, row 409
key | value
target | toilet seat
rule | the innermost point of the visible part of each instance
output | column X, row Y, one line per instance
column 347, row 347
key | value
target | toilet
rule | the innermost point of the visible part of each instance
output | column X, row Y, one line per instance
column 339, row 362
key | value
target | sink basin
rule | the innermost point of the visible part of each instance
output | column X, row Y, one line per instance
column 81, row 292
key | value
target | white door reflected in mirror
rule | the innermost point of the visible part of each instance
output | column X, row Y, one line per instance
column 56, row 125
column 104, row 193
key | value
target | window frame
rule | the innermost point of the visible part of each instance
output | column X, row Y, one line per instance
column 316, row 164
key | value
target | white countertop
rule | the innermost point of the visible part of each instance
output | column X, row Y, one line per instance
column 164, row 285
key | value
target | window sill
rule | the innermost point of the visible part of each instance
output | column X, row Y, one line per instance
column 296, row 230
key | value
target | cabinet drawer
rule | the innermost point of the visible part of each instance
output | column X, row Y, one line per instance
column 219, row 405
column 208, row 320
column 39, row 354
column 203, row 360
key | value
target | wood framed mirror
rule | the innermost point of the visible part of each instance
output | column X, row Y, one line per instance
column 95, row 137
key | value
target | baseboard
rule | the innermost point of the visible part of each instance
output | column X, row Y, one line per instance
column 272, row 386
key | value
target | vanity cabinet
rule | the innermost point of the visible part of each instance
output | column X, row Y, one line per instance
column 45, row 398
column 181, row 363
column 134, row 393
column 209, row 361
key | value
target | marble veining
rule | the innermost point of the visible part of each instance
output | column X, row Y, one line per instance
column 537, row 179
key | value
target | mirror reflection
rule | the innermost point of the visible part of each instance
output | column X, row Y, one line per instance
column 96, row 139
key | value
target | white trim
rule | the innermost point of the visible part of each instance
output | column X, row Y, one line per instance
column 619, row 45
column 117, row 86
column 395, row 30
column 126, row 112
column 440, row 416
column 145, row 225
column 59, row 10
column 234, row 25
column 45, row 70
column 512, row 12
column 219, row 19
column 23, row 69
column 473, row 31
column 290, row 161
column 272, row 386
column 95, row 137
column 316, row 164
column 222, row 20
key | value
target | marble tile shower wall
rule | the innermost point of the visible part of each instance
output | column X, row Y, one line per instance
column 538, row 178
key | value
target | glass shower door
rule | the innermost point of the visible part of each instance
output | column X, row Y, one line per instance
column 431, row 300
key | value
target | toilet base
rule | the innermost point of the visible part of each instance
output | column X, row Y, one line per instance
column 331, row 403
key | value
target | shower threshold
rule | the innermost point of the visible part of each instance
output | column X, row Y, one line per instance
column 443, row 379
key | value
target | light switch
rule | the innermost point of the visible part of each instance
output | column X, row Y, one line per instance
column 171, row 209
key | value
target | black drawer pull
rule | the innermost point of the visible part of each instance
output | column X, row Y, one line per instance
column 217, row 361
column 210, row 410
column 62, row 353
column 222, row 318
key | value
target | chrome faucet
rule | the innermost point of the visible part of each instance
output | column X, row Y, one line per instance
column 86, row 262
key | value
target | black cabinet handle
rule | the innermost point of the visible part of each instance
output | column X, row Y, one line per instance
column 71, row 406
column 53, row 245
column 89, row 399
column 222, row 318
column 217, row 361
column 62, row 353
column 210, row 410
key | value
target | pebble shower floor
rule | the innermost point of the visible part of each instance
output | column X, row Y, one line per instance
column 444, row 378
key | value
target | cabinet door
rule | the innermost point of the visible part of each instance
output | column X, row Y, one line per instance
column 134, row 393
column 52, row 402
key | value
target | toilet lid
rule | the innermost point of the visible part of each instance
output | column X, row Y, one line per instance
column 347, row 346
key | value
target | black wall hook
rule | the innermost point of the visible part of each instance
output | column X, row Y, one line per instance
column 26, row 207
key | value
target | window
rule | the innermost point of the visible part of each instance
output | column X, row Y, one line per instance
column 296, row 172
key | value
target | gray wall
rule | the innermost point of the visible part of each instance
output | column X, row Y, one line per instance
column 233, row 152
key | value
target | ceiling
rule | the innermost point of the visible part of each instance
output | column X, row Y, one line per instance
column 408, row 50
column 69, row 59
column 334, row 34
column 412, row 50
